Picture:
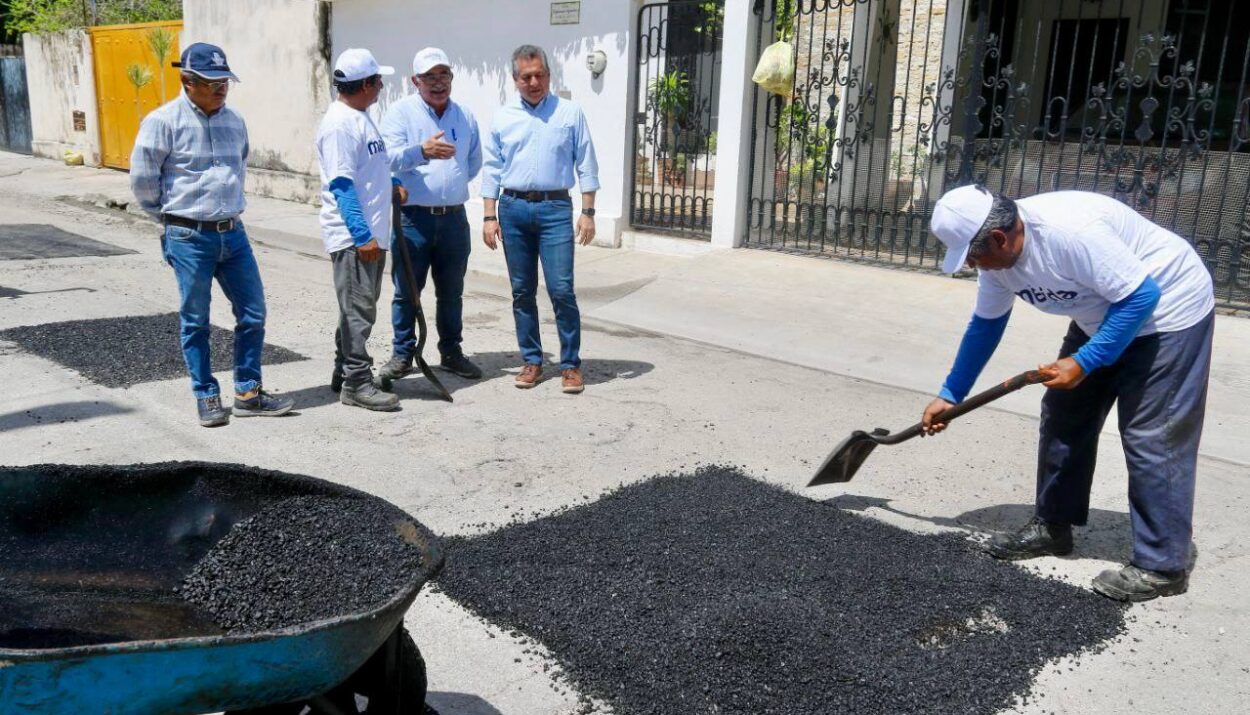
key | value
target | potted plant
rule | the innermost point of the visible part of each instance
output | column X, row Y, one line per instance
column 669, row 97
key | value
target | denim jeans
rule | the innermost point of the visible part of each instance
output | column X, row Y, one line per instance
column 1160, row 387
column 541, row 232
column 198, row 257
column 438, row 246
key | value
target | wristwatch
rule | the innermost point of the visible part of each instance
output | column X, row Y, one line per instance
column 588, row 212
column 486, row 219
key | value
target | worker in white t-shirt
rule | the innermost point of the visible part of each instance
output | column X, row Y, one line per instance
column 356, row 192
column 1142, row 310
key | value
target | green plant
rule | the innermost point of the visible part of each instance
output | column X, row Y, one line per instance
column 670, row 95
column 713, row 17
column 784, row 12
column 711, row 143
column 161, row 41
column 43, row 16
column 140, row 77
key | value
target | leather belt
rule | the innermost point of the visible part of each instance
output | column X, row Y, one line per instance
column 537, row 195
column 226, row 224
column 437, row 210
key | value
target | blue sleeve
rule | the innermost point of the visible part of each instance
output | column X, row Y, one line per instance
column 401, row 155
column 980, row 340
column 587, row 165
column 1119, row 327
column 349, row 207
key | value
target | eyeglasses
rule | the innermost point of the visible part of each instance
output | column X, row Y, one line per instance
column 436, row 77
column 212, row 83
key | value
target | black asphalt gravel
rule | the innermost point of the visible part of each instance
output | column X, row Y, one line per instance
column 25, row 241
column 304, row 559
column 121, row 352
column 712, row 592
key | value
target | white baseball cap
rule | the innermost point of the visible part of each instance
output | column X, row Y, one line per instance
column 428, row 59
column 356, row 64
column 957, row 218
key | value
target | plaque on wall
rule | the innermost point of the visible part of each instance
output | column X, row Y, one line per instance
column 80, row 121
column 566, row 13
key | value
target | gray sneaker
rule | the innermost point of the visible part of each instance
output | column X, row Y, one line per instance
column 262, row 404
column 395, row 368
column 369, row 397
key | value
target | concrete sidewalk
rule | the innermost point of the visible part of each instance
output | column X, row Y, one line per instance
column 892, row 327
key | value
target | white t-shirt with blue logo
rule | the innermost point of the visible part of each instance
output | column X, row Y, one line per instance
column 349, row 145
column 1084, row 251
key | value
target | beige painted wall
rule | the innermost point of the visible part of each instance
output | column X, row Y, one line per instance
column 279, row 50
column 59, row 73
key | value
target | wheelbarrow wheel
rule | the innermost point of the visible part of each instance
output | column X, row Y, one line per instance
column 374, row 689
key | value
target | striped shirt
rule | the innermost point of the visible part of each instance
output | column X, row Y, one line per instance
column 189, row 164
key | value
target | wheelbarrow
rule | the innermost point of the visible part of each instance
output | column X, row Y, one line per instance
column 90, row 558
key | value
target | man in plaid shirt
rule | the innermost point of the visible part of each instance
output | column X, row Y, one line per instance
column 187, row 171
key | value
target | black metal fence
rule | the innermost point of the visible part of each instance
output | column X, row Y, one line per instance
column 676, row 95
column 896, row 101
column 15, row 129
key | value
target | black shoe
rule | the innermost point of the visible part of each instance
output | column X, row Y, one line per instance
column 395, row 368
column 262, row 404
column 1036, row 538
column 369, row 397
column 462, row 366
column 212, row 413
column 1137, row 584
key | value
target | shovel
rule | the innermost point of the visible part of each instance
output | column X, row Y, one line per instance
column 414, row 294
column 846, row 459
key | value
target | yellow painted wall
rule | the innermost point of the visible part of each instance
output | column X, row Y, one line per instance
column 121, row 106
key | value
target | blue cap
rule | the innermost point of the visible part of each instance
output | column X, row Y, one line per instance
column 205, row 60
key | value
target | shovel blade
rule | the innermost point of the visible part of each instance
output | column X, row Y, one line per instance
column 845, row 460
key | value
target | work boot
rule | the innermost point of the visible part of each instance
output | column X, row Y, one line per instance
column 261, row 404
column 395, row 368
column 462, row 366
column 369, row 397
column 571, row 381
column 1131, row 583
column 1036, row 538
column 336, row 380
column 530, row 374
column 212, row 413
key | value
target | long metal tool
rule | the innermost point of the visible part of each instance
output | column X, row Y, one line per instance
column 846, row 458
column 414, row 294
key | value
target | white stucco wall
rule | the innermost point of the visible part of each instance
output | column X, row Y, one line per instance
column 279, row 50
column 60, row 75
column 479, row 36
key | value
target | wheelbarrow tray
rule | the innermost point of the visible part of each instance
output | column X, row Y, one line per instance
column 148, row 525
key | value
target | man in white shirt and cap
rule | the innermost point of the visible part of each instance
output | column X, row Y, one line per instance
column 356, row 192
column 1142, row 309
column 435, row 150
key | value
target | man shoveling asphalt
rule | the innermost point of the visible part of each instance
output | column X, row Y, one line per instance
column 1142, row 309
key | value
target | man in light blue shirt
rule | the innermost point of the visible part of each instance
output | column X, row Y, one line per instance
column 435, row 150
column 539, row 145
column 187, row 172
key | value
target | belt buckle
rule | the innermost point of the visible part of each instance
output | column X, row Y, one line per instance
column 534, row 196
column 224, row 225
column 438, row 210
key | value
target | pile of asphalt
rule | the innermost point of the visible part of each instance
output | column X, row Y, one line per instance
column 121, row 352
column 716, row 593
column 304, row 559
column 26, row 241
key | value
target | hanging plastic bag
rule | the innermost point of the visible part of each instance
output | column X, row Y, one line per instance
column 775, row 71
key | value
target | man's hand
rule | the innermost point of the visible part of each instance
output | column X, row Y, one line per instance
column 935, row 408
column 369, row 252
column 1064, row 374
column 585, row 229
column 490, row 234
column 436, row 148
column 400, row 194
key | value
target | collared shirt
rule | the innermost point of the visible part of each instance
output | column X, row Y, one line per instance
column 407, row 124
column 539, row 148
column 189, row 164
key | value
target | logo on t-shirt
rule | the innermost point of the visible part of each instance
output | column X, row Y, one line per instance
column 1035, row 296
column 376, row 146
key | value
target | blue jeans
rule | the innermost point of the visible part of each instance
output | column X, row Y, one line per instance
column 534, row 232
column 437, row 245
column 1160, row 387
column 197, row 258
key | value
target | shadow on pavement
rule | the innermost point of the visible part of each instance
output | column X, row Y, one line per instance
column 1108, row 536
column 460, row 704
column 59, row 413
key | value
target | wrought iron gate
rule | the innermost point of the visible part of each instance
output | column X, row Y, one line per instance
column 15, row 131
column 896, row 101
column 676, row 95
